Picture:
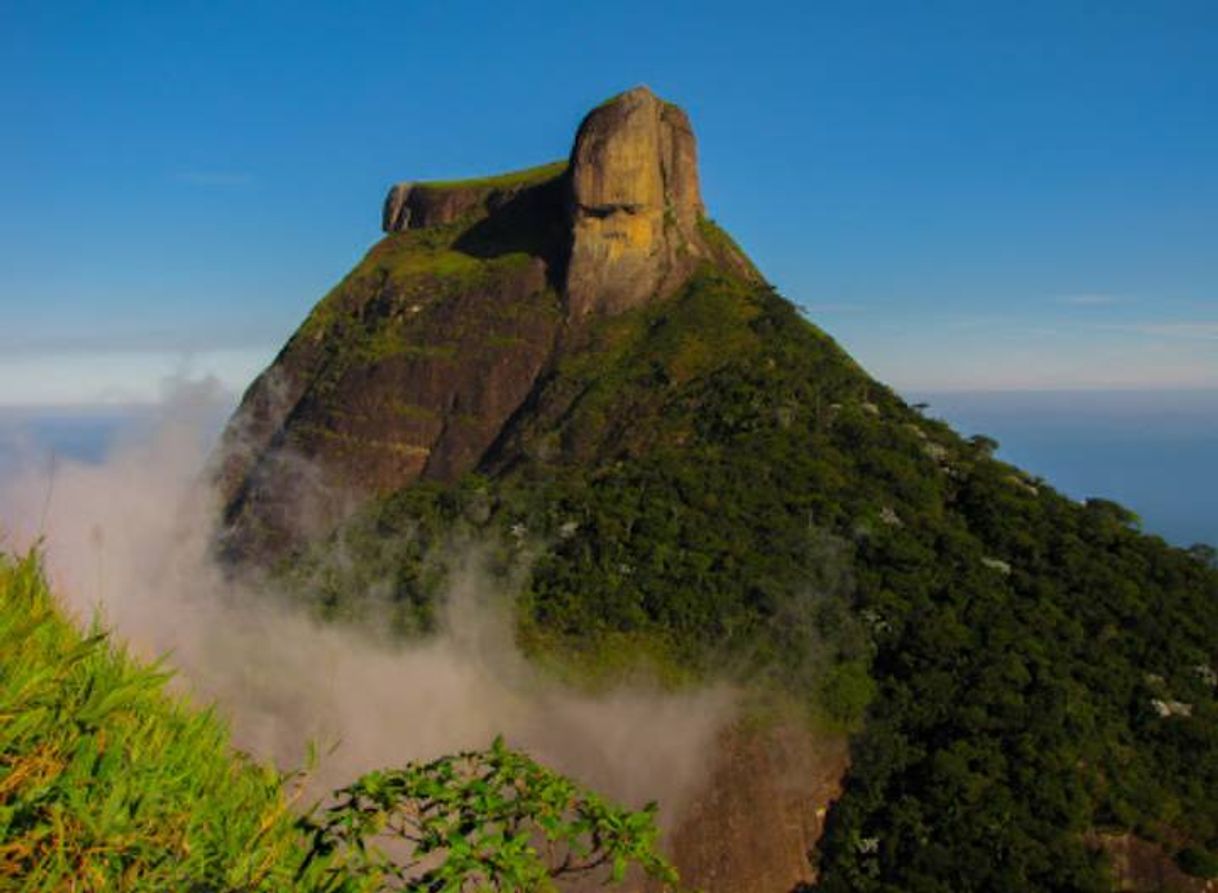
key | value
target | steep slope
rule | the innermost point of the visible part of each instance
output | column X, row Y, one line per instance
column 410, row 366
column 696, row 477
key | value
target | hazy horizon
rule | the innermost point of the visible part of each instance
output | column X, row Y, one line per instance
column 1152, row 450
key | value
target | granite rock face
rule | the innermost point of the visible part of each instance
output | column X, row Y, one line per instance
column 407, row 370
column 635, row 205
column 755, row 826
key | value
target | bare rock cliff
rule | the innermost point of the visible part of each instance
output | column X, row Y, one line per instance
column 635, row 205
column 755, row 826
column 420, row 205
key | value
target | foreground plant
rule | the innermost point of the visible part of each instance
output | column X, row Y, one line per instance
column 490, row 820
column 108, row 783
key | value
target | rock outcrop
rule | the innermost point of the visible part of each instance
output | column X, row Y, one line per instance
column 680, row 467
column 635, row 205
column 634, row 211
column 754, row 824
column 421, row 362
column 755, row 827
column 419, row 205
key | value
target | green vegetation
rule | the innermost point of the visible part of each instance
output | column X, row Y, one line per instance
column 486, row 814
column 109, row 784
column 713, row 481
column 398, row 305
column 528, row 176
column 724, row 247
column 420, row 264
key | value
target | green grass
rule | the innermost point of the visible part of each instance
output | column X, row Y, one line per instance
column 526, row 177
column 724, row 248
column 109, row 783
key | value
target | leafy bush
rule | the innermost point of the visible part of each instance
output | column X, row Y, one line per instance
column 1198, row 862
column 491, row 820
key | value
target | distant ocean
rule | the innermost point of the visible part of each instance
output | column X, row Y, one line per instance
column 1153, row 451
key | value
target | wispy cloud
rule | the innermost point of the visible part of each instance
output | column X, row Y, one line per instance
column 965, row 322
column 220, row 179
column 1198, row 330
column 1092, row 299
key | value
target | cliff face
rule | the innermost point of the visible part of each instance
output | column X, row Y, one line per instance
column 408, row 369
column 412, row 367
column 419, row 205
column 755, row 827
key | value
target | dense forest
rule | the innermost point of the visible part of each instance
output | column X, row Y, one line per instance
column 711, row 485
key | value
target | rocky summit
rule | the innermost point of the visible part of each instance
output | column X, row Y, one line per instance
column 412, row 367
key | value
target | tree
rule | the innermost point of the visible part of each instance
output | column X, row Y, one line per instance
column 490, row 820
column 1114, row 511
column 985, row 446
column 1205, row 553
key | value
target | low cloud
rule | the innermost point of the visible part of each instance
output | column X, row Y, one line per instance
column 83, row 377
column 131, row 537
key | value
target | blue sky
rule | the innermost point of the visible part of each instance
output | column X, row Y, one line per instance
column 967, row 195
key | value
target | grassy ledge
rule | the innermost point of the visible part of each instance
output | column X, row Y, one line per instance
column 526, row 177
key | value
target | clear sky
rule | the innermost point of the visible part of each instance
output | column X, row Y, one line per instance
column 967, row 195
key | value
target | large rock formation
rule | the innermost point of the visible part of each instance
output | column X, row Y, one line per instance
column 681, row 468
column 428, row 359
column 635, row 204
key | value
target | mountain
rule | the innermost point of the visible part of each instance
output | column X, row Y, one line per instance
column 958, row 678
